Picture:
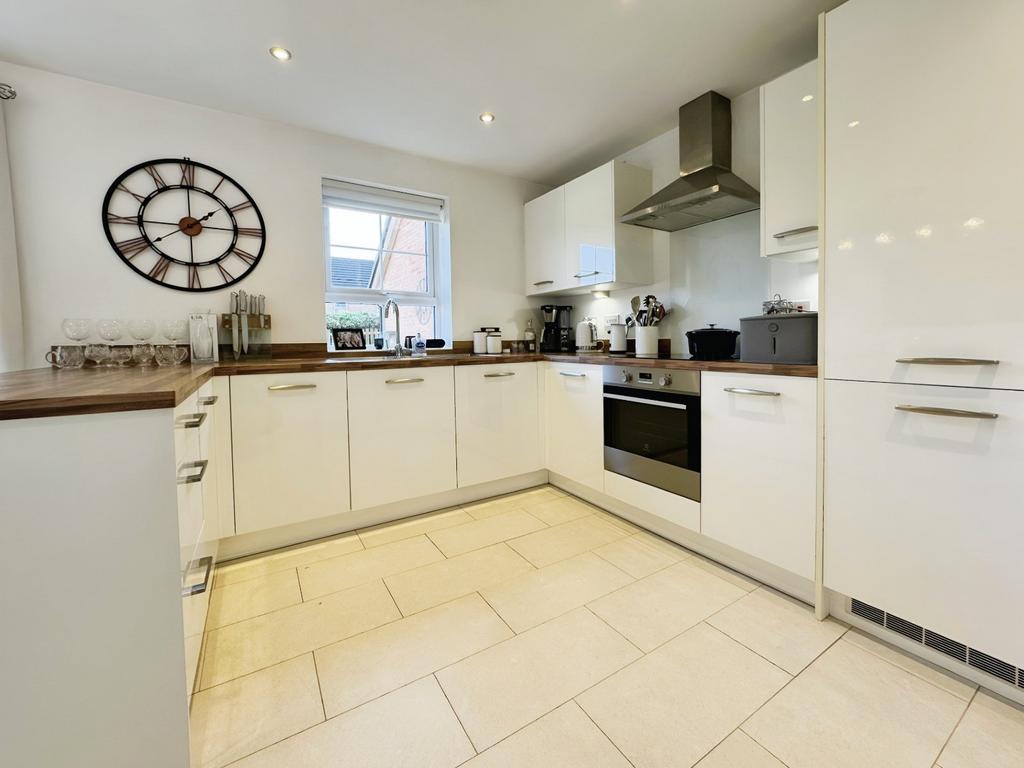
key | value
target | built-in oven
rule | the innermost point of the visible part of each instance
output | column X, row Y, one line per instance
column 652, row 427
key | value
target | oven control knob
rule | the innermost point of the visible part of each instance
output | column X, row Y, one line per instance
column 626, row 377
column 665, row 380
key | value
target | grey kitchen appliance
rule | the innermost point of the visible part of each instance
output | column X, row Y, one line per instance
column 557, row 334
column 707, row 189
column 780, row 337
column 652, row 427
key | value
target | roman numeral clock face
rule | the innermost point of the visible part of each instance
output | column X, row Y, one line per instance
column 183, row 225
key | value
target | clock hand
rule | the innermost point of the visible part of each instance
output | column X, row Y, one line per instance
column 164, row 237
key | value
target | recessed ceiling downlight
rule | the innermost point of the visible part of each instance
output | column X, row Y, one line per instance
column 487, row 118
column 281, row 54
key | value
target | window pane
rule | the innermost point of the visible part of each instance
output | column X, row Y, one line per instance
column 351, row 267
column 354, row 315
column 414, row 320
column 406, row 235
column 404, row 272
column 356, row 228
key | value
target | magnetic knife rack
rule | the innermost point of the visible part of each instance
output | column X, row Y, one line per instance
column 259, row 326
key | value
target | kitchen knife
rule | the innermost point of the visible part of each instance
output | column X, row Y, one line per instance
column 243, row 318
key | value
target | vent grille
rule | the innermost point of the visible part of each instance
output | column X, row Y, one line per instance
column 952, row 648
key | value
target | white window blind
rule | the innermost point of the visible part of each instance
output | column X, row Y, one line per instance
column 385, row 201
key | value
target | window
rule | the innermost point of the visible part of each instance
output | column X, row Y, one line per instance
column 380, row 244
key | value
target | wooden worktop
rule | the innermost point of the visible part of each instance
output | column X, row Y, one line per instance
column 51, row 392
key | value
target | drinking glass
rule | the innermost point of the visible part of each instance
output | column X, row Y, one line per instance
column 167, row 354
column 110, row 330
column 121, row 355
column 176, row 331
column 142, row 330
column 143, row 353
column 66, row 357
column 98, row 353
column 76, row 329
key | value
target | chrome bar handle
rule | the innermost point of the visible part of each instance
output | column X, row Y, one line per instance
column 289, row 387
column 757, row 392
column 201, row 465
column 954, row 412
column 587, row 274
column 410, row 380
column 191, row 420
column 544, row 282
column 945, row 361
column 500, row 375
column 198, row 589
column 211, row 400
column 797, row 231
column 572, row 375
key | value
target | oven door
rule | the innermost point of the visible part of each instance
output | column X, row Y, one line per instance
column 654, row 438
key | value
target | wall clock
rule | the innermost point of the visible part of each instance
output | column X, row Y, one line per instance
column 183, row 224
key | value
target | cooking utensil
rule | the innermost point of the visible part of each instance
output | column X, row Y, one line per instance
column 712, row 343
column 634, row 303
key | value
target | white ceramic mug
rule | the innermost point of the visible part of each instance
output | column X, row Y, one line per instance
column 618, row 337
column 647, row 341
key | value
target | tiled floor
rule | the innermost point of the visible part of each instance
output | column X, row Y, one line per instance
column 536, row 630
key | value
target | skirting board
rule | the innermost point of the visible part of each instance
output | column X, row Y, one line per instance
column 839, row 605
column 287, row 535
column 784, row 581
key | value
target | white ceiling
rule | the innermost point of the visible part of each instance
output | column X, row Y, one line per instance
column 572, row 82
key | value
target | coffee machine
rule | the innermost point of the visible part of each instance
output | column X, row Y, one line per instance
column 557, row 335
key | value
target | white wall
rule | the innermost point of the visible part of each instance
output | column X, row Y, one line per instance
column 712, row 273
column 11, row 357
column 69, row 138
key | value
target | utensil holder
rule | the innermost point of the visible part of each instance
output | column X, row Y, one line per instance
column 646, row 341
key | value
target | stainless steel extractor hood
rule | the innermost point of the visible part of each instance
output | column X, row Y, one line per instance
column 707, row 189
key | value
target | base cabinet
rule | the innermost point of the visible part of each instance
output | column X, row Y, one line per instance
column 575, row 422
column 758, row 466
column 290, row 451
column 922, row 510
column 497, row 421
column 402, row 434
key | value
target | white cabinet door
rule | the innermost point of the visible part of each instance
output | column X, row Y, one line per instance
column 207, row 404
column 789, row 165
column 923, row 512
column 590, row 225
column 544, row 219
column 402, row 434
column 758, row 466
column 923, row 166
column 575, row 422
column 290, row 448
column 191, row 471
column 497, row 421
column 220, row 455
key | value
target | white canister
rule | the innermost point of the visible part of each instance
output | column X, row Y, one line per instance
column 618, row 337
column 479, row 342
column 493, row 343
column 647, row 341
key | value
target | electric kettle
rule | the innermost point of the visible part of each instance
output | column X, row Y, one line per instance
column 586, row 334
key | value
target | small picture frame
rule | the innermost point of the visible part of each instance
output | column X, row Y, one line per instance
column 348, row 338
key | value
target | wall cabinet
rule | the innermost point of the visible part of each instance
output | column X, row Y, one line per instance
column 923, row 510
column 758, row 466
column 574, row 242
column 923, row 222
column 290, row 448
column 402, row 434
column 497, row 421
column 789, row 165
column 575, row 422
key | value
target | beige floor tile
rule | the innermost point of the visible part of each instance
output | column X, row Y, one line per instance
column 852, row 709
column 617, row 521
column 385, row 533
column 283, row 559
column 561, row 510
column 659, row 607
column 991, row 735
column 498, row 691
column 346, row 571
column 565, row 738
column 537, row 596
column 739, row 751
column 253, row 597
column 566, row 540
column 440, row 582
column 677, row 703
column 782, row 630
column 240, row 717
column 935, row 675
column 477, row 534
column 522, row 500
column 412, row 727
column 733, row 577
column 253, row 644
column 638, row 556
column 369, row 665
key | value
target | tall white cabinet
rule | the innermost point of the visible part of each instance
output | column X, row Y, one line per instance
column 923, row 277
column 575, row 422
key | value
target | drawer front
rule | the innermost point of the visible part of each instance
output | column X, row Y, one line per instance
column 190, row 470
column 923, row 511
column 758, row 466
column 402, row 434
